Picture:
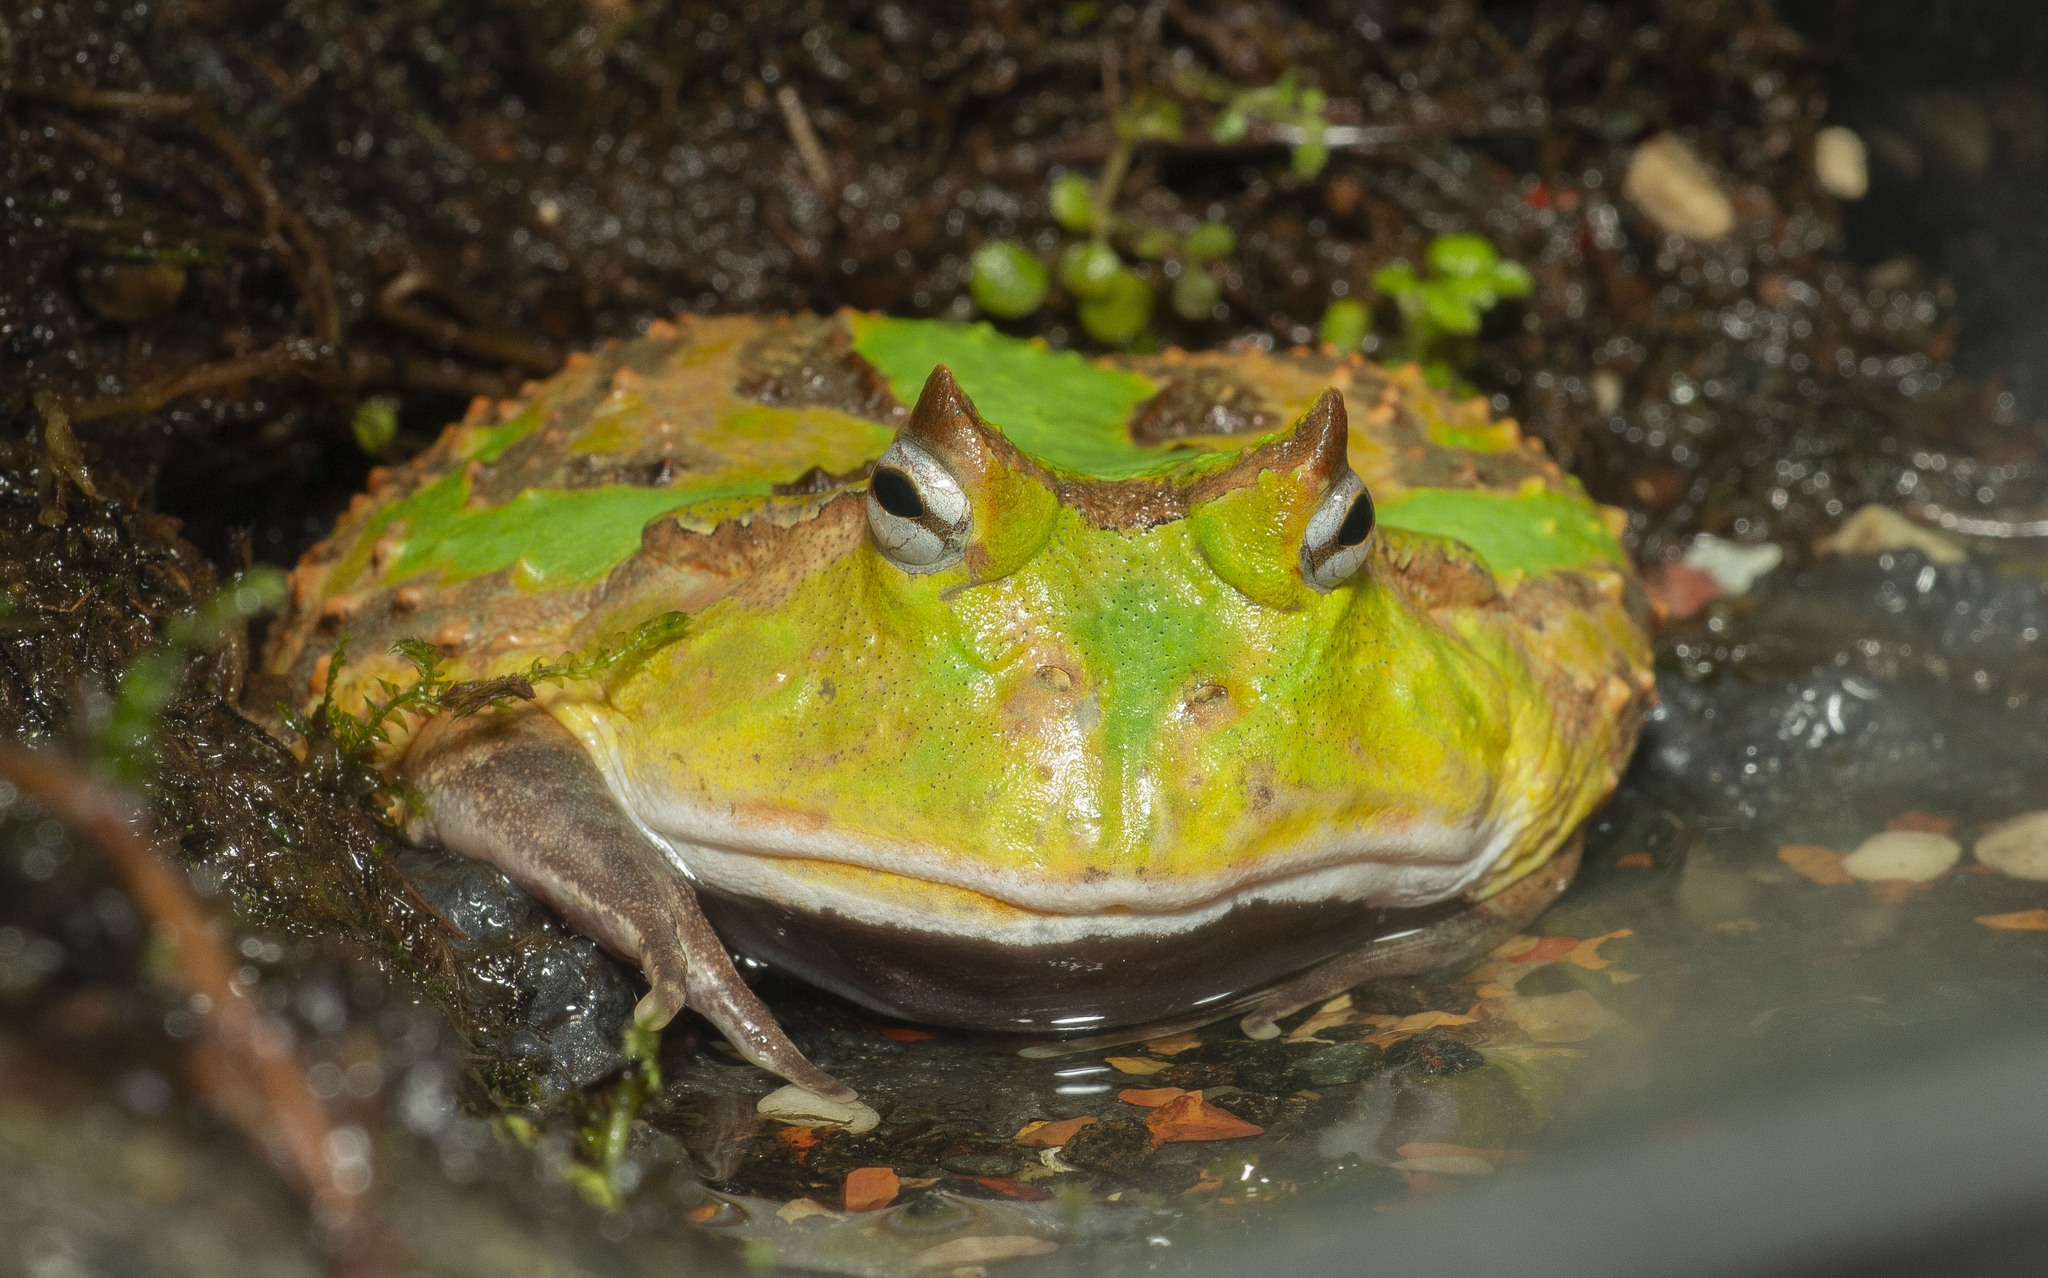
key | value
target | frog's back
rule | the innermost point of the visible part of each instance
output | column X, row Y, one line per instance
column 495, row 543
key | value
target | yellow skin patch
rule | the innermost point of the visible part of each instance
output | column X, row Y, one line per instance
column 1076, row 718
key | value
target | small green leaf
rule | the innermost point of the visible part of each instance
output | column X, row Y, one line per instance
column 1150, row 118
column 1230, row 126
column 1007, row 281
column 1312, row 103
column 1345, row 324
column 1462, row 256
column 1511, row 279
column 1448, row 310
column 1395, row 281
column 1195, row 293
column 375, row 424
column 1153, row 243
column 1118, row 316
column 1073, row 202
column 1208, row 242
column 1310, row 157
column 1088, row 269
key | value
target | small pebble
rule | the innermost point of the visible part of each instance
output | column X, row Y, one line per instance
column 1875, row 529
column 1733, row 565
column 2018, row 847
column 1839, row 163
column 1913, row 855
column 801, row 1108
column 1669, row 183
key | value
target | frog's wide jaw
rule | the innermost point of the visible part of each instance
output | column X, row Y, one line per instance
column 920, row 934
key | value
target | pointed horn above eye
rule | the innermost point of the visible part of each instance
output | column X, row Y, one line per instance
column 1322, row 443
column 944, row 418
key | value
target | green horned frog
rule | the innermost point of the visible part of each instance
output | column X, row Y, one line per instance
column 1013, row 690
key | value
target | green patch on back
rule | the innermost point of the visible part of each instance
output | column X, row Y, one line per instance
column 492, row 443
column 549, row 536
column 1055, row 406
column 1513, row 533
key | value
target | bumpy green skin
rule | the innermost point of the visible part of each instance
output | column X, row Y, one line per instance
column 1124, row 697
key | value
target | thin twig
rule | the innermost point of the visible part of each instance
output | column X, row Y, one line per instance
column 284, row 359
column 798, row 122
column 392, row 309
column 260, row 1076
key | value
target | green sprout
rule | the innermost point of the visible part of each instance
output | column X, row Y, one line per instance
column 1284, row 102
column 1441, row 314
column 1345, row 324
column 1113, row 301
column 126, row 748
column 375, row 424
column 1007, row 281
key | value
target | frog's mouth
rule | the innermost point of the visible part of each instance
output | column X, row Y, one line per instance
column 811, row 866
column 953, row 945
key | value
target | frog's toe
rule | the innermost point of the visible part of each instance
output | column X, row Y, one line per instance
column 687, row 966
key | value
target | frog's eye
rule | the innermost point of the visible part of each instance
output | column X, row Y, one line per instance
column 1339, row 534
column 916, row 510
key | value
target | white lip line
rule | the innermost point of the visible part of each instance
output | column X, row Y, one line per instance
column 1436, row 845
column 1368, row 884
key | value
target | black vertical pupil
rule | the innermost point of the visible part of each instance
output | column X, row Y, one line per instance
column 1357, row 525
column 899, row 496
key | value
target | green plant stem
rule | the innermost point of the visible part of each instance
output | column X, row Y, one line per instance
column 1114, row 168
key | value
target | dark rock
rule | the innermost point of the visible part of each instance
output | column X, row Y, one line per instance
column 1335, row 1066
column 1438, row 1055
column 1119, row 1145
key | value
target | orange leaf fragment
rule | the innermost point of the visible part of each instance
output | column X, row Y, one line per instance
column 1051, row 1135
column 801, row 1139
column 1134, row 1064
column 1548, row 949
column 703, row 1212
column 1822, row 865
column 1010, row 1188
column 1148, row 1097
column 1637, row 861
column 1421, row 1021
column 904, row 1035
column 868, row 1188
column 1586, row 953
column 1189, row 1117
column 1925, row 822
column 1435, row 1149
column 1174, row 1044
column 2017, row 921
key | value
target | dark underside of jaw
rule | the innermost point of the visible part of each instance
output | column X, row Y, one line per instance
column 970, row 982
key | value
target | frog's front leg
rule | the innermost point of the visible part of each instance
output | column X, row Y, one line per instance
column 513, row 788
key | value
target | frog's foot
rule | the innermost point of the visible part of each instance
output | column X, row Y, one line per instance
column 513, row 788
column 1471, row 931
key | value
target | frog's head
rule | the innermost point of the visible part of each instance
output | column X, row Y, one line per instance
column 983, row 701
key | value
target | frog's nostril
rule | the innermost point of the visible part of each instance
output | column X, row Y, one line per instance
column 1208, row 705
column 896, row 493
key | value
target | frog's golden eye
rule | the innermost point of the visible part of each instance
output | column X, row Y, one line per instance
column 916, row 510
column 1339, row 534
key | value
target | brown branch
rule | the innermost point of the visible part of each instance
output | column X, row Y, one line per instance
column 244, row 1060
column 288, row 358
column 392, row 309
